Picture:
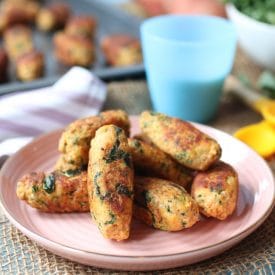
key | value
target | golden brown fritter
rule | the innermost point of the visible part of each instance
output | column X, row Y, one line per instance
column 53, row 17
column 181, row 140
column 19, row 12
column 3, row 65
column 74, row 143
column 164, row 204
column 55, row 192
column 73, row 50
column 63, row 164
column 30, row 66
column 18, row 41
column 216, row 191
column 83, row 25
column 110, row 182
column 121, row 50
column 150, row 160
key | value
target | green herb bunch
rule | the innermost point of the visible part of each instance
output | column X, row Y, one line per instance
column 261, row 10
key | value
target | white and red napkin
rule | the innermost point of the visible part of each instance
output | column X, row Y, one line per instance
column 77, row 94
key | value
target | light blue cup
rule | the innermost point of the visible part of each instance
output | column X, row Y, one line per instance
column 186, row 60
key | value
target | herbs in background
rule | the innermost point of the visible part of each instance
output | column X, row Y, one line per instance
column 261, row 10
column 266, row 83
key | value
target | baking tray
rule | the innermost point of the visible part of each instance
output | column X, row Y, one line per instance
column 111, row 19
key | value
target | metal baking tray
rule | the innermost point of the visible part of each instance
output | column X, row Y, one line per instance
column 111, row 19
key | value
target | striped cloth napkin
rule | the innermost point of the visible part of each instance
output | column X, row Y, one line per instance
column 77, row 94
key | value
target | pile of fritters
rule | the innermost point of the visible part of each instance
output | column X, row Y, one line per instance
column 73, row 43
column 164, row 177
column 16, row 16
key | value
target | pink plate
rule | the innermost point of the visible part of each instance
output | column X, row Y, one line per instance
column 75, row 236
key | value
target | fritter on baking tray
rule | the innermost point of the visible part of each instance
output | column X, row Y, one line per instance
column 30, row 66
column 18, row 41
column 53, row 17
column 121, row 50
column 73, row 50
column 18, row 12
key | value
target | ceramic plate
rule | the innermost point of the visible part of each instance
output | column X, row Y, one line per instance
column 75, row 236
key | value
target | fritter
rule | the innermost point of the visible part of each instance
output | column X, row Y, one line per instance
column 3, row 65
column 216, row 191
column 83, row 25
column 74, row 143
column 181, row 140
column 110, row 182
column 19, row 12
column 150, row 160
column 121, row 50
column 18, row 41
column 56, row 192
column 164, row 204
column 73, row 50
column 53, row 17
column 30, row 66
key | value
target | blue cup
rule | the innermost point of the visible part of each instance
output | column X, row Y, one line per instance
column 187, row 59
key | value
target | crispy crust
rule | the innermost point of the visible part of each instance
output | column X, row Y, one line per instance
column 164, row 204
column 74, row 143
column 150, row 160
column 68, row 195
column 110, row 182
column 181, row 140
column 216, row 191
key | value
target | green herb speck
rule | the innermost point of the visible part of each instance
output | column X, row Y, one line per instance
column 75, row 140
column 49, row 183
column 123, row 190
column 72, row 172
column 183, row 224
column 116, row 154
column 35, row 188
column 112, row 220
column 218, row 188
column 147, row 196
column 184, row 156
column 118, row 131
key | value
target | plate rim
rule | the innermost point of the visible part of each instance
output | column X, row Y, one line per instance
column 44, row 241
